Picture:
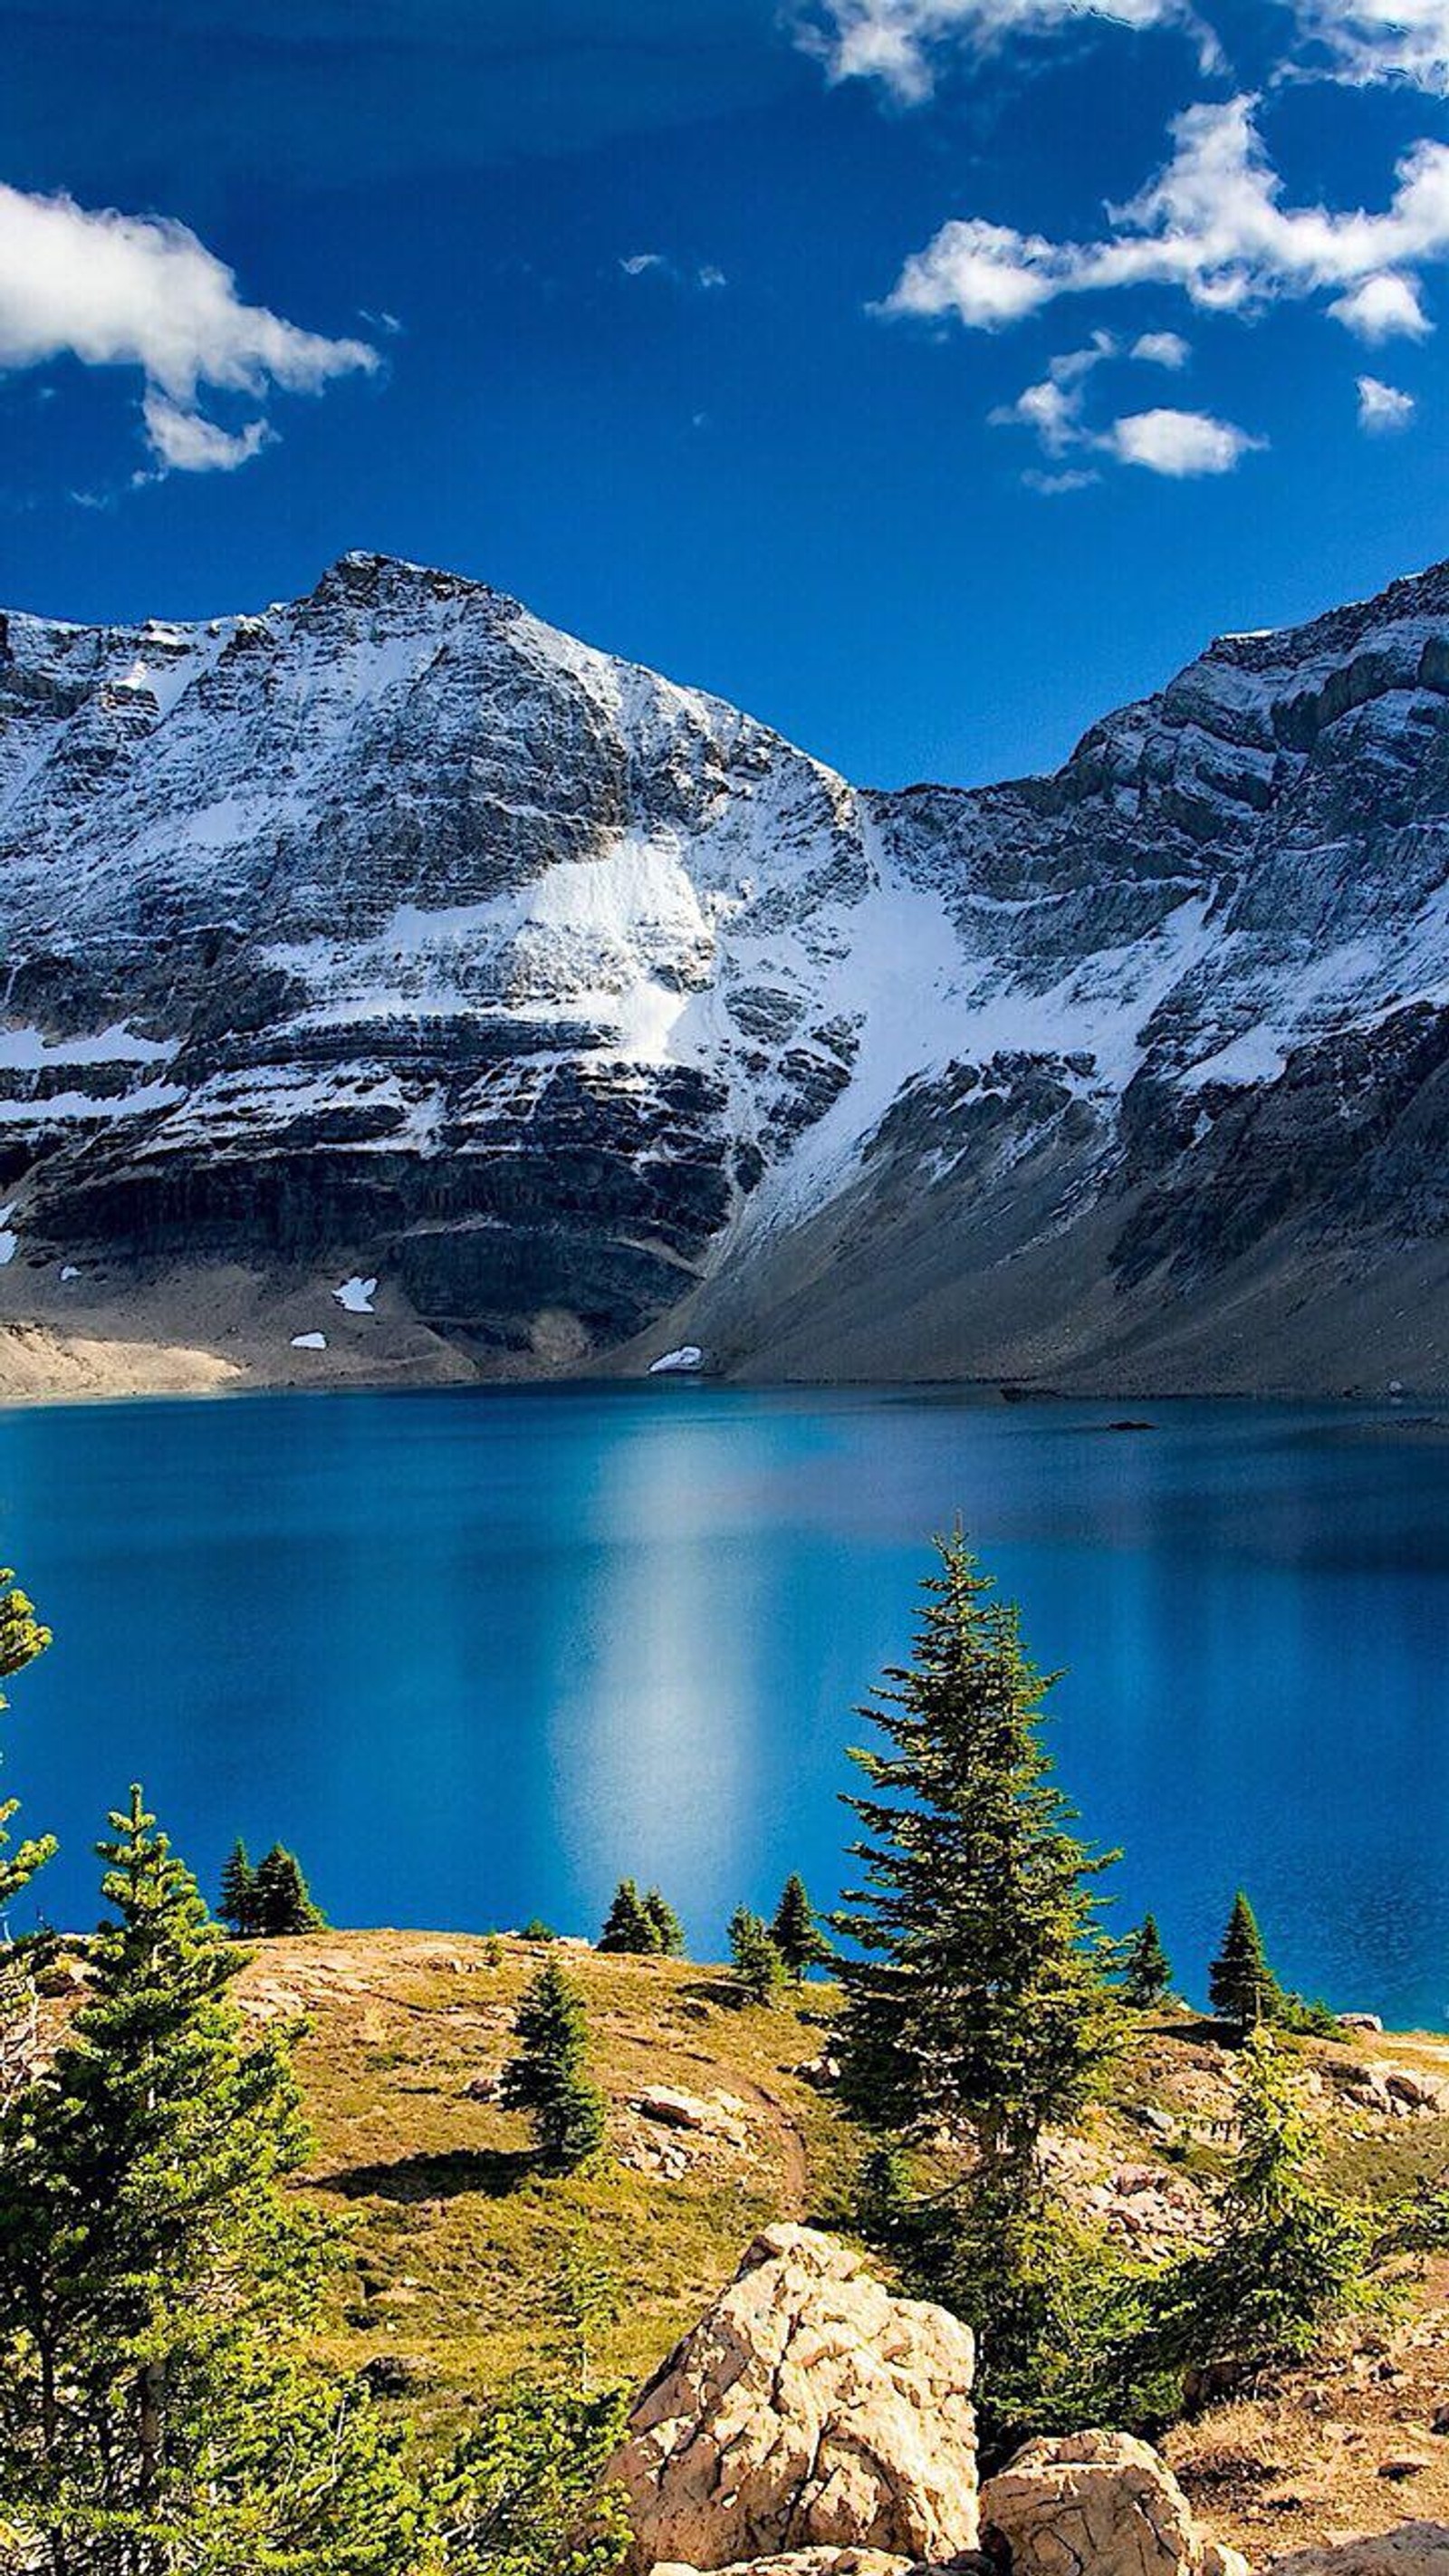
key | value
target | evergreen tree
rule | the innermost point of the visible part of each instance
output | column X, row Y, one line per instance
column 237, row 1901
column 1146, row 1968
column 1289, row 2256
column 668, row 1930
column 628, row 1928
column 523, row 2495
column 1055, row 2304
column 157, row 2281
column 547, row 2078
column 981, row 1998
column 585, row 2299
column 1242, row 1986
column 796, row 1934
column 756, row 1964
column 884, row 2207
column 281, row 1899
column 22, row 1638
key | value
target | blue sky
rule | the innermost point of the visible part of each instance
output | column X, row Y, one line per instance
column 925, row 375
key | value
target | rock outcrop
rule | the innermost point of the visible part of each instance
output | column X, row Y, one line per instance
column 672, row 2133
column 1410, row 2549
column 1099, row 2504
column 808, row 2562
column 1395, row 2092
column 808, row 2410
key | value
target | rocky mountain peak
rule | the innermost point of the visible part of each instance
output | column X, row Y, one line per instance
column 392, row 928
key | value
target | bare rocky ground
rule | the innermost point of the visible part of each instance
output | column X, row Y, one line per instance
column 115, row 1332
column 811, row 1316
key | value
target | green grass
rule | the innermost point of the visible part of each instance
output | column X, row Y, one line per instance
column 454, row 2243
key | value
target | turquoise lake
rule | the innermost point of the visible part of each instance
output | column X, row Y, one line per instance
column 476, row 1655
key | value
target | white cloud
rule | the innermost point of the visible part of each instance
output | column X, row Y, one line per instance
column 1382, row 407
column 657, row 263
column 1383, row 307
column 1052, row 410
column 139, row 291
column 1164, row 441
column 1382, row 40
column 1072, row 478
column 1162, row 349
column 185, row 443
column 1213, row 225
column 1076, row 363
column 898, row 42
column 1178, row 443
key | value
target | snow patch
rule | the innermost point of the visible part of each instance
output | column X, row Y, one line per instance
column 1258, row 1055
column 9, row 1240
column 671, row 1363
column 84, row 1104
column 309, row 1341
column 355, row 1296
column 30, row 1051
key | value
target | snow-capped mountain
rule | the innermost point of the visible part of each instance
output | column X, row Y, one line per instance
column 392, row 934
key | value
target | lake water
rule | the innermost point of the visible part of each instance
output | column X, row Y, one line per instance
column 475, row 1655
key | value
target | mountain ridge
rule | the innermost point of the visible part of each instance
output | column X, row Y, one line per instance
column 392, row 932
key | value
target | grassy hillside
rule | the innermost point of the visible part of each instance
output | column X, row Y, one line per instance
column 457, row 2244
column 457, row 2247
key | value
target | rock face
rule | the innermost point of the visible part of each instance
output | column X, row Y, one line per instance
column 1101, row 2502
column 1411, row 2549
column 391, row 933
column 1395, row 2092
column 808, row 2562
column 808, row 2410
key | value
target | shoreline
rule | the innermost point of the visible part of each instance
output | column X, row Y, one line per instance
column 86, row 1370
column 105, row 1330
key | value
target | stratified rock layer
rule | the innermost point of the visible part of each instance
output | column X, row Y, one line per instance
column 392, row 931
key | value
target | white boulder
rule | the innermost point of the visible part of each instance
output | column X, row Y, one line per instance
column 809, row 2409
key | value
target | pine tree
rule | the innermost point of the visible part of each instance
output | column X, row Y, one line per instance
column 237, row 1901
column 281, row 1899
column 525, row 2494
column 547, row 2078
column 158, row 2282
column 756, row 1965
column 1146, row 1968
column 1289, row 2255
column 627, row 1928
column 585, row 2297
column 883, row 2204
column 22, row 1638
column 796, row 1934
column 1242, row 1986
column 981, row 1998
column 668, row 1930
